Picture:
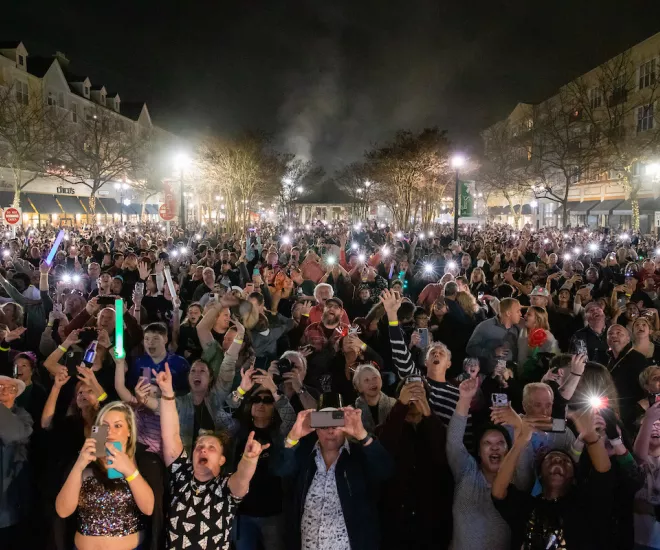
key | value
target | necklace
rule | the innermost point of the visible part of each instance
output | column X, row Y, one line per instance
column 198, row 488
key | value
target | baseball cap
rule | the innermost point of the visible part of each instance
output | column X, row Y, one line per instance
column 18, row 383
column 336, row 301
column 540, row 291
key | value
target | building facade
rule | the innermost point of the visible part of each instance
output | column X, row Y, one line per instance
column 29, row 84
column 596, row 143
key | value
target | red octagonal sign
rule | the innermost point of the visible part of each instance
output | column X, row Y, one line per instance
column 12, row 216
column 165, row 213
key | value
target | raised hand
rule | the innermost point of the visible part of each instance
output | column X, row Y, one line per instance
column 142, row 391
column 253, row 448
column 302, row 426
column 468, row 388
column 120, row 461
column 246, row 378
column 353, row 423
column 87, row 377
column 265, row 379
column 87, row 453
column 15, row 334
column 143, row 270
column 306, row 308
column 390, row 302
column 60, row 379
column 164, row 381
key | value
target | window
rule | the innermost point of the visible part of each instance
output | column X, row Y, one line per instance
column 619, row 91
column 50, row 100
column 102, row 99
column 22, row 92
column 645, row 118
column 647, row 74
column 74, row 112
column 86, row 91
column 595, row 98
column 575, row 174
column 21, row 60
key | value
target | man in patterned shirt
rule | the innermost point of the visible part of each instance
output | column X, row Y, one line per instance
column 204, row 501
column 335, row 484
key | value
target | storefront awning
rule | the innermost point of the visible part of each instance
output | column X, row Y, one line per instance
column 43, row 204
column 496, row 210
column 71, row 205
column 645, row 205
column 604, row 208
column 7, row 198
column 152, row 209
column 581, row 207
column 110, row 205
column 131, row 209
column 526, row 209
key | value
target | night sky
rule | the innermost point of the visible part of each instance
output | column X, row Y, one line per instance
column 329, row 78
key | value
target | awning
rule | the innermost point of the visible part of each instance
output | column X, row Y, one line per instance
column 7, row 198
column 605, row 208
column 71, row 205
column 152, row 209
column 581, row 207
column 496, row 210
column 44, row 204
column 645, row 205
column 131, row 209
column 110, row 205
column 526, row 209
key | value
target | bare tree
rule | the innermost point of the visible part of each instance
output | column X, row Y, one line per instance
column 618, row 101
column 151, row 167
column 354, row 180
column 564, row 152
column 507, row 156
column 403, row 166
column 100, row 148
column 26, row 134
column 294, row 180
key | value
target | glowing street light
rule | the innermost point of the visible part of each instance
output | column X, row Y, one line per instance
column 457, row 162
column 534, row 204
column 300, row 189
column 653, row 169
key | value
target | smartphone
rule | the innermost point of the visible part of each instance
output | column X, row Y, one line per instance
column 100, row 435
column 653, row 399
column 106, row 300
column 327, row 419
column 256, row 271
column 621, row 302
column 112, row 473
column 581, row 348
column 480, row 296
column 57, row 307
column 139, row 289
column 412, row 379
column 499, row 399
column 211, row 297
column 146, row 373
column 423, row 337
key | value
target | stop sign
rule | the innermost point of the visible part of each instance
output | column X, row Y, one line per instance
column 165, row 213
column 12, row 215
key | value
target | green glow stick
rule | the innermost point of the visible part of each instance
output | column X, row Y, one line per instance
column 120, row 352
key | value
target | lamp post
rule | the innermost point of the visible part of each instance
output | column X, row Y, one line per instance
column 121, row 187
column 181, row 161
column 457, row 162
column 535, row 205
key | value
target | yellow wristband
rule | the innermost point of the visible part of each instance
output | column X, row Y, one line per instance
column 62, row 349
column 305, row 314
column 102, row 397
column 237, row 341
column 241, row 391
column 292, row 442
column 132, row 476
column 3, row 349
column 394, row 323
column 363, row 347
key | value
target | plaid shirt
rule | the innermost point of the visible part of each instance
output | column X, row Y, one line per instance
column 314, row 335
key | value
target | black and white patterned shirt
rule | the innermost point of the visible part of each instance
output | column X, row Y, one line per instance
column 323, row 526
column 200, row 514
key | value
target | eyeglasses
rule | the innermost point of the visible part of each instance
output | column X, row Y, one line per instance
column 266, row 399
column 13, row 389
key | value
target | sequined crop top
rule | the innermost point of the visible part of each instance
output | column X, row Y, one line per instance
column 107, row 511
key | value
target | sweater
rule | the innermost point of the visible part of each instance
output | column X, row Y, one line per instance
column 385, row 404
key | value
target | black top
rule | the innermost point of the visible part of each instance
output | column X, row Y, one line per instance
column 202, row 421
column 625, row 371
column 596, row 344
column 571, row 521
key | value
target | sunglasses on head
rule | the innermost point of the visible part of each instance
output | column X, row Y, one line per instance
column 265, row 399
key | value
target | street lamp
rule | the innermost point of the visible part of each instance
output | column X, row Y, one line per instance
column 121, row 187
column 457, row 162
column 181, row 162
column 535, row 205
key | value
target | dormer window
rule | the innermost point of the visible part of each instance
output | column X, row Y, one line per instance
column 102, row 99
column 117, row 105
column 86, row 91
column 21, row 60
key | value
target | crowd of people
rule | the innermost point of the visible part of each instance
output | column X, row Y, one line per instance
column 331, row 386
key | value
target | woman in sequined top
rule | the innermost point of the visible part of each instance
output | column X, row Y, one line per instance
column 110, row 511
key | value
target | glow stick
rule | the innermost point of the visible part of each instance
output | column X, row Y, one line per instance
column 56, row 244
column 120, row 352
column 170, row 282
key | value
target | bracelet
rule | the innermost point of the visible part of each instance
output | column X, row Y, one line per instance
column 292, row 442
column 575, row 374
column 394, row 323
column 590, row 443
column 62, row 349
column 50, row 325
column 305, row 314
column 168, row 397
column 238, row 341
column 102, row 397
column 363, row 347
column 240, row 390
column 4, row 349
column 132, row 476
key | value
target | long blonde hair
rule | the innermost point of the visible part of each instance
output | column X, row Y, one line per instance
column 129, row 415
column 467, row 302
column 540, row 317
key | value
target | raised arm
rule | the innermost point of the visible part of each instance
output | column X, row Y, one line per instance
column 52, row 362
column 457, row 455
column 169, row 417
column 522, row 435
column 49, row 408
column 401, row 357
column 206, row 324
column 641, row 447
column 239, row 482
column 572, row 379
column 120, row 381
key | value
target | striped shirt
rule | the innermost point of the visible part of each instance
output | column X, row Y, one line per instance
column 148, row 429
column 442, row 395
